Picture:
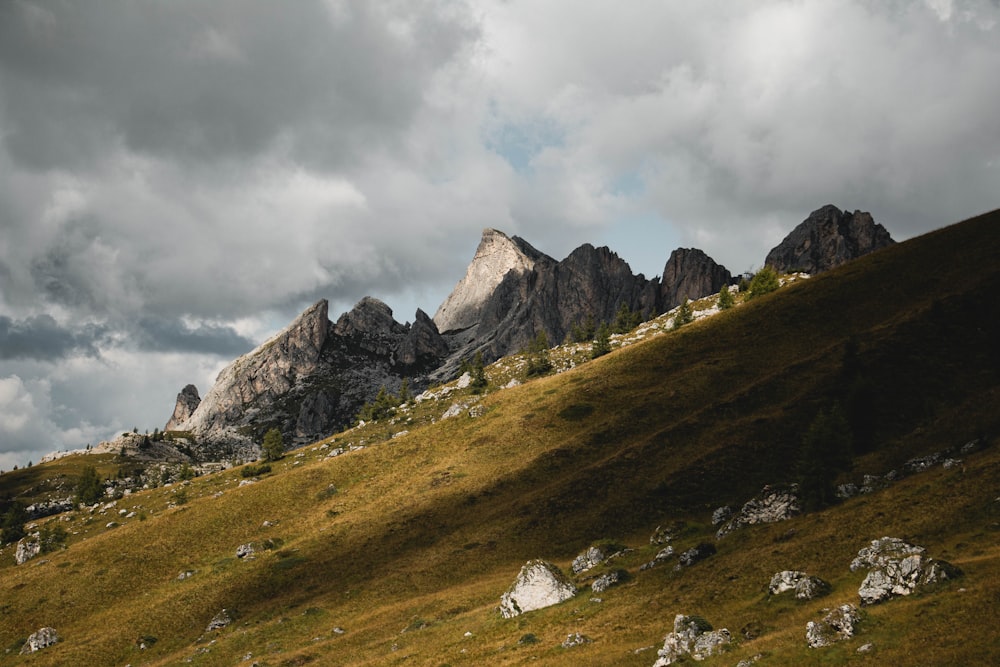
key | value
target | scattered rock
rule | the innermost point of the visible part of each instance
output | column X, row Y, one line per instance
column 695, row 554
column 897, row 568
column 866, row 648
column 836, row 626
column 576, row 639
column 219, row 621
column 539, row 584
column 476, row 411
column 27, row 548
column 42, row 638
column 693, row 636
column 592, row 557
column 774, row 504
column 666, row 534
column 922, row 463
column 721, row 514
column 662, row 556
column 455, row 410
column 845, row 491
column 806, row 587
column 245, row 551
column 950, row 464
column 609, row 579
column 187, row 574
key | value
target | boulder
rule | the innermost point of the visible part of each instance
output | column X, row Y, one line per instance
column 721, row 514
column 837, row 625
column 607, row 580
column 576, row 639
column 245, row 551
column 806, row 587
column 219, row 621
column 666, row 534
column 27, row 548
column 774, row 504
column 539, row 584
column 42, row 638
column 897, row 568
column 695, row 554
column 693, row 636
column 662, row 556
column 593, row 556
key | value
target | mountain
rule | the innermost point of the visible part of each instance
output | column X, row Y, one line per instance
column 826, row 239
column 398, row 542
column 314, row 377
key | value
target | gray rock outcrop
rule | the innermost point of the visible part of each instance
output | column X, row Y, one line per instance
column 774, row 504
column 838, row 625
column 42, row 638
column 826, row 239
column 539, row 584
column 608, row 579
column 27, row 548
column 593, row 556
column 187, row 402
column 496, row 256
column 219, row 621
column 695, row 554
column 693, row 636
column 690, row 274
column 806, row 587
column 896, row 568
column 576, row 639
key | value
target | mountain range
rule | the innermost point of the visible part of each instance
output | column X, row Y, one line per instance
column 312, row 378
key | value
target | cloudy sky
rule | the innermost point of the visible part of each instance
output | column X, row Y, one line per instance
column 179, row 179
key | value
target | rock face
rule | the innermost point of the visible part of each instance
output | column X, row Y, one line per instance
column 693, row 636
column 836, row 626
column 496, row 256
column 897, row 568
column 311, row 379
column 806, row 587
column 187, row 402
column 690, row 274
column 42, row 638
column 826, row 239
column 539, row 584
column 773, row 504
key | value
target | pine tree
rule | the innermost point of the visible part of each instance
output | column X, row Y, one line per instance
column 726, row 300
column 538, row 356
column 274, row 445
column 89, row 489
column 602, row 341
column 478, row 372
column 684, row 314
column 827, row 447
column 763, row 282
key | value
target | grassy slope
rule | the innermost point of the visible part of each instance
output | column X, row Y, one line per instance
column 427, row 530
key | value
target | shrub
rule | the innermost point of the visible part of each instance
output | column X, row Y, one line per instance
column 255, row 470
column 726, row 300
column 538, row 356
column 478, row 373
column 52, row 537
column 602, row 341
column 12, row 523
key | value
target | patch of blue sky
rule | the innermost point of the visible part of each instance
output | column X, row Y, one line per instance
column 519, row 143
column 644, row 240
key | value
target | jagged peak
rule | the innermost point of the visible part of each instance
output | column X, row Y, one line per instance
column 496, row 255
column 369, row 315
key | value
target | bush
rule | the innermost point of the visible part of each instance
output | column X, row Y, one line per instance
column 52, row 537
column 726, row 300
column 602, row 341
column 255, row 471
column 12, row 523
column 538, row 356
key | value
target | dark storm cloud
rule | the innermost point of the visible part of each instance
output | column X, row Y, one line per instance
column 163, row 335
column 213, row 81
column 41, row 337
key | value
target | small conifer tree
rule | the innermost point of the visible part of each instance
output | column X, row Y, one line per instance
column 684, row 315
column 602, row 341
column 89, row 489
column 726, row 300
column 274, row 445
column 763, row 282
column 538, row 356
column 478, row 373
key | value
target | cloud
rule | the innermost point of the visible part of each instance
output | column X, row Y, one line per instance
column 41, row 337
column 179, row 181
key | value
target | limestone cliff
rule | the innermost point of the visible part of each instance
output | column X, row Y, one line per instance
column 496, row 256
column 690, row 274
column 826, row 239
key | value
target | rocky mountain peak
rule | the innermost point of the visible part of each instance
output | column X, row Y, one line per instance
column 690, row 274
column 826, row 239
column 496, row 255
column 187, row 402
column 369, row 316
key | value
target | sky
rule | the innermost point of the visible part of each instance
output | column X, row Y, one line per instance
column 179, row 179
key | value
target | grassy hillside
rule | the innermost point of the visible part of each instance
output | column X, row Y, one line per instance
column 390, row 554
